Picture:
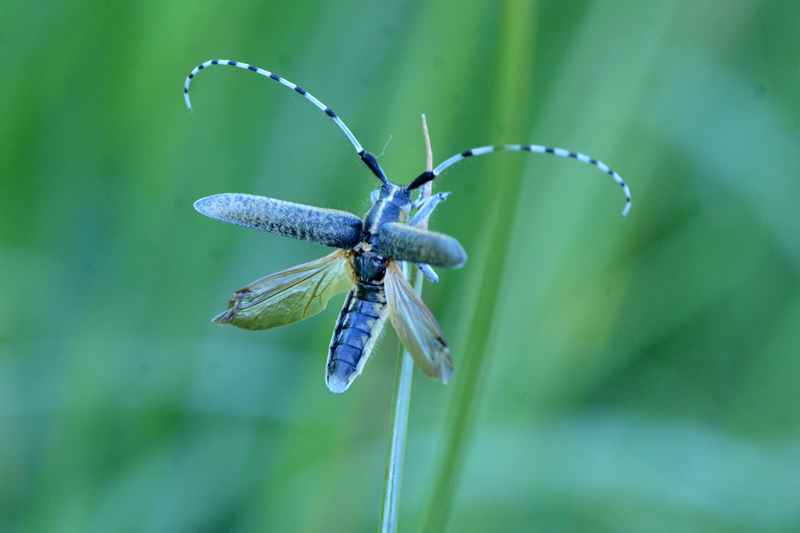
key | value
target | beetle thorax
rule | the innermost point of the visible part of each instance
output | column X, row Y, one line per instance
column 369, row 267
column 393, row 205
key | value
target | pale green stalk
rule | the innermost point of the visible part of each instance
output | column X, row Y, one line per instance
column 397, row 436
column 401, row 400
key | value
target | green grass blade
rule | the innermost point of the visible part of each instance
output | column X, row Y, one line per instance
column 471, row 367
column 401, row 398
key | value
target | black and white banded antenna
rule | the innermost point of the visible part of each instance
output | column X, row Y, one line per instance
column 428, row 176
column 366, row 157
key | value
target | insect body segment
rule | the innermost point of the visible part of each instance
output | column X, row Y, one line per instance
column 360, row 322
column 369, row 263
column 392, row 205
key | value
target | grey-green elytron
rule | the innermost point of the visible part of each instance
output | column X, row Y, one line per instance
column 369, row 262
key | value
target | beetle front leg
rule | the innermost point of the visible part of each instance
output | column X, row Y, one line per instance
column 426, row 206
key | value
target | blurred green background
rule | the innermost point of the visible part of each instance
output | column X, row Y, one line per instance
column 611, row 375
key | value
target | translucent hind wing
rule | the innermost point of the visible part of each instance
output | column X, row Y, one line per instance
column 289, row 296
column 416, row 326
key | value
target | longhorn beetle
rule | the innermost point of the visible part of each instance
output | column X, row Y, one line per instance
column 369, row 261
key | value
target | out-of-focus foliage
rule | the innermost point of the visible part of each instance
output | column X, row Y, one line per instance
column 638, row 375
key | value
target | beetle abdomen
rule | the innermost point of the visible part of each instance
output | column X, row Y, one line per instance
column 359, row 325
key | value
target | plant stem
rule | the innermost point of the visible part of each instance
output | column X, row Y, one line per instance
column 401, row 400
column 397, row 435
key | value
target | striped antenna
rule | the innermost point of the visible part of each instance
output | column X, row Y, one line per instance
column 367, row 157
column 428, row 176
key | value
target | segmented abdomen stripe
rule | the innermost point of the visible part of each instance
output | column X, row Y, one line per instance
column 540, row 150
column 280, row 80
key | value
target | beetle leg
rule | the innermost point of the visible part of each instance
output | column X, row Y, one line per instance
column 426, row 206
column 428, row 271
